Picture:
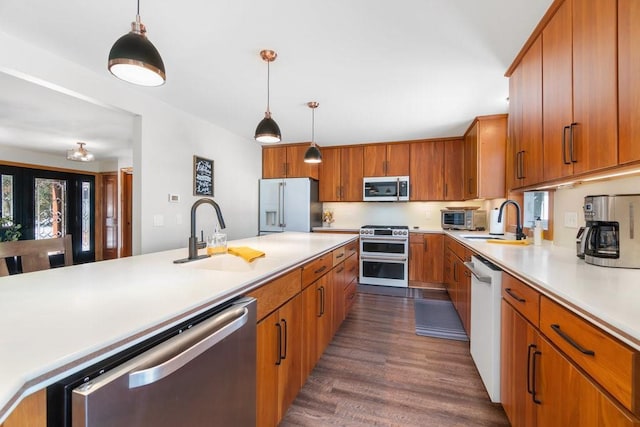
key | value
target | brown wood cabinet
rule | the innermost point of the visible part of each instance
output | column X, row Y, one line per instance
column 628, row 80
column 454, row 169
column 426, row 171
column 426, row 262
column 317, row 321
column 287, row 161
column 457, row 279
column 386, row 159
column 540, row 386
column 341, row 173
column 31, row 412
column 484, row 157
column 524, row 162
column 279, row 361
column 579, row 63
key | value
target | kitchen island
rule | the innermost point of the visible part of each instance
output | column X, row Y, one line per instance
column 60, row 321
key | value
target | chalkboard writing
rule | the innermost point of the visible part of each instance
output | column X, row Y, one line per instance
column 202, row 176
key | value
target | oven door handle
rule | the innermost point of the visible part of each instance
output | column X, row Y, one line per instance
column 382, row 239
column 402, row 258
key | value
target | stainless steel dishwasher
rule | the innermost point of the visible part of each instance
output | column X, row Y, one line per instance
column 205, row 375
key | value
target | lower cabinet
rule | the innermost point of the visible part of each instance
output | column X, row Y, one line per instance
column 317, row 322
column 32, row 412
column 540, row 385
column 279, row 340
column 457, row 280
column 426, row 258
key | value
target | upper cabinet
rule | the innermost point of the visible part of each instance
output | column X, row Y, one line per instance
column 484, row 157
column 629, row 80
column 341, row 174
column 386, row 159
column 436, row 169
column 579, row 63
column 287, row 161
column 524, row 148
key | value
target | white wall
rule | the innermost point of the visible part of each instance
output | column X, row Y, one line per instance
column 162, row 152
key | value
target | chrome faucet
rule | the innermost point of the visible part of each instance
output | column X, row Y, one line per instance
column 193, row 240
column 519, row 234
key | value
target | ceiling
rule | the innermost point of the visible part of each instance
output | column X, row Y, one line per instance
column 381, row 70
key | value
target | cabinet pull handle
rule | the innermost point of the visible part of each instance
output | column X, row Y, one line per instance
column 514, row 296
column 320, row 270
column 319, row 291
column 470, row 181
column 322, row 300
column 522, row 175
column 339, row 256
column 564, row 145
column 340, row 270
column 533, row 375
column 286, row 336
column 571, row 341
column 446, row 190
column 279, row 361
column 571, row 146
column 455, row 271
column 531, row 346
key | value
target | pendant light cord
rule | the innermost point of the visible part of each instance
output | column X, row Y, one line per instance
column 138, row 9
column 313, row 126
column 268, row 80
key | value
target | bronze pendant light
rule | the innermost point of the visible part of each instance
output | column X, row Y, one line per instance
column 313, row 155
column 134, row 59
column 268, row 131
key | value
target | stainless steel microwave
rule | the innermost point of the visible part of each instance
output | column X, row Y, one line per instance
column 463, row 219
column 386, row 189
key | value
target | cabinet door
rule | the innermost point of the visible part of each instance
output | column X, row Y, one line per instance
column 290, row 369
column 376, row 155
column 274, row 162
column 557, row 93
column 628, row 80
column 268, row 336
column 351, row 174
column 464, row 299
column 433, row 258
column 514, row 129
column 427, row 171
column 471, row 163
column 310, row 315
column 569, row 398
column 325, row 321
column 518, row 341
column 398, row 156
column 329, row 185
column 595, row 84
column 531, row 108
column 416, row 258
column 296, row 167
column 454, row 169
column 336, row 297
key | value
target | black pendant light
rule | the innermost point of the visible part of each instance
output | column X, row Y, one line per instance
column 268, row 131
column 133, row 58
column 313, row 155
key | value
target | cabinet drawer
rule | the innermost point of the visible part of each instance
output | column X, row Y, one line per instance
column 350, row 296
column 352, row 248
column 316, row 268
column 351, row 267
column 416, row 238
column 339, row 255
column 457, row 248
column 522, row 297
column 614, row 365
column 272, row 295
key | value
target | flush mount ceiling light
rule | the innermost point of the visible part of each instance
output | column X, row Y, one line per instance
column 134, row 59
column 80, row 154
column 268, row 131
column 312, row 155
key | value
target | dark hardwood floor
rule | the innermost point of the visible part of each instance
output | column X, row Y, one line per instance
column 378, row 372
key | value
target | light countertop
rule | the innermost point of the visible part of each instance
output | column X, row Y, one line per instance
column 58, row 321
column 608, row 297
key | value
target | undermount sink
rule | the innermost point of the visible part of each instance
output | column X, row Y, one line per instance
column 481, row 236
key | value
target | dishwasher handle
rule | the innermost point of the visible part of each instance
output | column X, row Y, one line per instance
column 470, row 266
column 193, row 343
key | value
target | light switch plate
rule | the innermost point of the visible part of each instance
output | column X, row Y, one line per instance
column 571, row 219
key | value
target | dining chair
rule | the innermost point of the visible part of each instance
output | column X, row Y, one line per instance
column 34, row 254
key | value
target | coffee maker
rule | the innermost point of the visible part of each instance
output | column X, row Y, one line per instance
column 609, row 238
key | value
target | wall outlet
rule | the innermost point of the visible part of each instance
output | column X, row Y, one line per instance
column 571, row 219
column 179, row 219
column 428, row 214
column 158, row 220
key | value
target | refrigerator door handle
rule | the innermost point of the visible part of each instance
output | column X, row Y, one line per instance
column 280, row 204
column 282, row 222
column 214, row 330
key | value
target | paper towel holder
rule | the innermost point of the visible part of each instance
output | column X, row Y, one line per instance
column 495, row 228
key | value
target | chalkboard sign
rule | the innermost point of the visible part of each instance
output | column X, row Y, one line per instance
column 202, row 176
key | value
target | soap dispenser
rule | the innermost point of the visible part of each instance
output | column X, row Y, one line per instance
column 537, row 232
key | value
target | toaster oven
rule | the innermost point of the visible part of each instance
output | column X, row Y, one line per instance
column 463, row 219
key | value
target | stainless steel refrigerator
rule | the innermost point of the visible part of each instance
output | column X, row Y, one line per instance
column 289, row 204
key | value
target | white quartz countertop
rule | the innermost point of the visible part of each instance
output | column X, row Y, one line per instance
column 56, row 322
column 608, row 297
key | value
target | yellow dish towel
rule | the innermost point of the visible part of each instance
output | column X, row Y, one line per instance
column 246, row 252
column 509, row 242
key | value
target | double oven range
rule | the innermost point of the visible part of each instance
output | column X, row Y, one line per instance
column 384, row 255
